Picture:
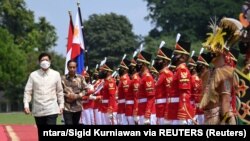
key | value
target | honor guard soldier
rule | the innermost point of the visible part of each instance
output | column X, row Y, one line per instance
column 196, row 85
column 123, row 91
column 132, row 97
column 87, row 116
column 216, row 100
column 97, row 96
column 179, row 107
column 146, row 93
column 108, row 93
column 163, row 84
column 153, row 71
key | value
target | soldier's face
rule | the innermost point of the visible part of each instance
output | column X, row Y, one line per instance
column 139, row 66
column 121, row 71
column 158, row 64
column 103, row 74
column 176, row 58
column 131, row 69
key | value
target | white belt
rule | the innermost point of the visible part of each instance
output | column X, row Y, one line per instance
column 129, row 101
column 173, row 99
column 105, row 101
column 121, row 101
column 142, row 100
column 160, row 100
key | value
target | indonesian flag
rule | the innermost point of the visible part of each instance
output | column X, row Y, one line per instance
column 78, row 47
column 69, row 44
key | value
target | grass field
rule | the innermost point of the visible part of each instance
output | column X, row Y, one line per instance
column 20, row 118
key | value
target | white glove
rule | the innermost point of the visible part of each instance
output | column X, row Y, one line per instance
column 110, row 115
column 91, row 97
column 136, row 118
column 90, row 87
column 183, row 122
column 167, row 122
column 146, row 121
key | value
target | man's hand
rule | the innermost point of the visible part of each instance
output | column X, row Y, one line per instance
column 136, row 119
column 91, row 97
column 61, row 111
column 110, row 115
column 167, row 122
column 90, row 87
column 27, row 111
column 146, row 121
column 71, row 97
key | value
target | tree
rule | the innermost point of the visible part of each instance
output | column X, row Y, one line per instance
column 13, row 67
column 22, row 40
column 109, row 35
column 152, row 44
column 16, row 18
column 190, row 17
column 57, row 62
column 20, row 23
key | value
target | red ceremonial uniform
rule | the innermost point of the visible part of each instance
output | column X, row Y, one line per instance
column 108, row 95
column 132, row 96
column 196, row 93
column 179, row 106
column 146, row 95
column 123, row 90
column 162, row 89
column 97, row 102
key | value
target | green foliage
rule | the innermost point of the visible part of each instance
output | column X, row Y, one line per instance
column 109, row 35
column 16, row 18
column 47, row 35
column 19, row 118
column 190, row 17
column 20, row 23
column 13, row 65
column 152, row 44
column 57, row 62
column 21, row 41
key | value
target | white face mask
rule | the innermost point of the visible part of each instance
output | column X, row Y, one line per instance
column 45, row 64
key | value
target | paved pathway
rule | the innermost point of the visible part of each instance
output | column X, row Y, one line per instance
column 18, row 133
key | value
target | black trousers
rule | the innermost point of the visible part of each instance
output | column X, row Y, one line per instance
column 71, row 118
column 46, row 120
column 43, row 121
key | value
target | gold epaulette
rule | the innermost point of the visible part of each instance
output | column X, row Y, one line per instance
column 196, row 77
column 166, row 71
column 147, row 74
column 110, row 79
column 181, row 66
column 135, row 77
column 123, row 77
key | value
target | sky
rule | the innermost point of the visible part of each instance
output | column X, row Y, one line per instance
column 56, row 12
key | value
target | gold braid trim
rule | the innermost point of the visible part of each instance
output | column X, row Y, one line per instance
column 212, row 80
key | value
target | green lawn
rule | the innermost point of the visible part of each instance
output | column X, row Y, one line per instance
column 19, row 118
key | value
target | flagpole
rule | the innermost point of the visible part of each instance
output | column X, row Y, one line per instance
column 85, row 50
